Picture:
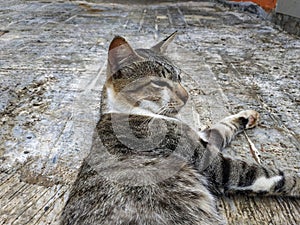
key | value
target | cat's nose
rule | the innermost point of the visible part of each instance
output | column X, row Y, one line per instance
column 182, row 93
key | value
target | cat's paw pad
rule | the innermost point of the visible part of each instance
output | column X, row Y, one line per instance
column 250, row 118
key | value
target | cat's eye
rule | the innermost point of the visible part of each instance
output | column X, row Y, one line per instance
column 160, row 83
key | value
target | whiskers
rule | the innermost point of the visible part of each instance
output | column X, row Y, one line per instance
column 147, row 121
column 170, row 109
column 161, row 111
column 164, row 110
column 153, row 110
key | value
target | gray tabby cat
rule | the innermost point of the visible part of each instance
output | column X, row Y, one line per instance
column 148, row 167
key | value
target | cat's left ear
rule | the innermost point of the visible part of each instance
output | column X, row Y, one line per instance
column 162, row 46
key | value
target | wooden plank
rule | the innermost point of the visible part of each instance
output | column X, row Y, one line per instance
column 53, row 67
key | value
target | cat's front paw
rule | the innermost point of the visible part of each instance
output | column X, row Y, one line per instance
column 250, row 118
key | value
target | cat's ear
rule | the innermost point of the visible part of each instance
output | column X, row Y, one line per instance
column 120, row 54
column 162, row 46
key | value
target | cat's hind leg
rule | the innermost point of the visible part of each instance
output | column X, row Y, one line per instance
column 232, row 176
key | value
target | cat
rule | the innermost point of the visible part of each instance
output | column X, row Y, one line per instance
column 148, row 167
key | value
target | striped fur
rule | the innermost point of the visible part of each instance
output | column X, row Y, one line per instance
column 148, row 167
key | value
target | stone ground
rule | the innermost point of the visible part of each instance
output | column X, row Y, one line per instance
column 52, row 65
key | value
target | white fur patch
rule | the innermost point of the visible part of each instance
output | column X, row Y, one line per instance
column 143, row 112
column 110, row 99
column 115, row 107
column 165, row 97
column 265, row 184
column 261, row 184
column 147, row 105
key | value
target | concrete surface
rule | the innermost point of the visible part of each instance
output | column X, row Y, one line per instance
column 288, row 7
column 287, row 16
column 288, row 23
column 52, row 66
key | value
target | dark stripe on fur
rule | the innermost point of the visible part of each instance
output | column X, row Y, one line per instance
column 250, row 175
column 267, row 175
column 295, row 182
column 280, row 185
column 242, row 178
column 226, row 169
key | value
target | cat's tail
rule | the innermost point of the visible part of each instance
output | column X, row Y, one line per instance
column 229, row 175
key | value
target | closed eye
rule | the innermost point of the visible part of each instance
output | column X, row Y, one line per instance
column 160, row 84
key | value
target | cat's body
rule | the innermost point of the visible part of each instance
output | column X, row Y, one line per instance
column 148, row 167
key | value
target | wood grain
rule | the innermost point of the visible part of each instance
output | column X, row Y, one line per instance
column 52, row 67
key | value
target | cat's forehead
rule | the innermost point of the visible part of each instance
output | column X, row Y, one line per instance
column 149, row 55
column 148, row 68
column 168, row 71
column 151, row 65
column 160, row 62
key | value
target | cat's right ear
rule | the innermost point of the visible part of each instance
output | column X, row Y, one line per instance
column 162, row 46
column 120, row 54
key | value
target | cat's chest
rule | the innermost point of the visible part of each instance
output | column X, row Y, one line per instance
column 146, row 135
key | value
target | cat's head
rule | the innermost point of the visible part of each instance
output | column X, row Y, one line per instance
column 143, row 80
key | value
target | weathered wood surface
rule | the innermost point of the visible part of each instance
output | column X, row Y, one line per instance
column 52, row 66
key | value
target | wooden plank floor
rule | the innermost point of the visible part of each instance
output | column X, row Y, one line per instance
column 52, row 67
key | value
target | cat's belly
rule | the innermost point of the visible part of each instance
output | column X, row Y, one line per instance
column 145, row 197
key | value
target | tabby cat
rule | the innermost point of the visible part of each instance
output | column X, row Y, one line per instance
column 148, row 167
